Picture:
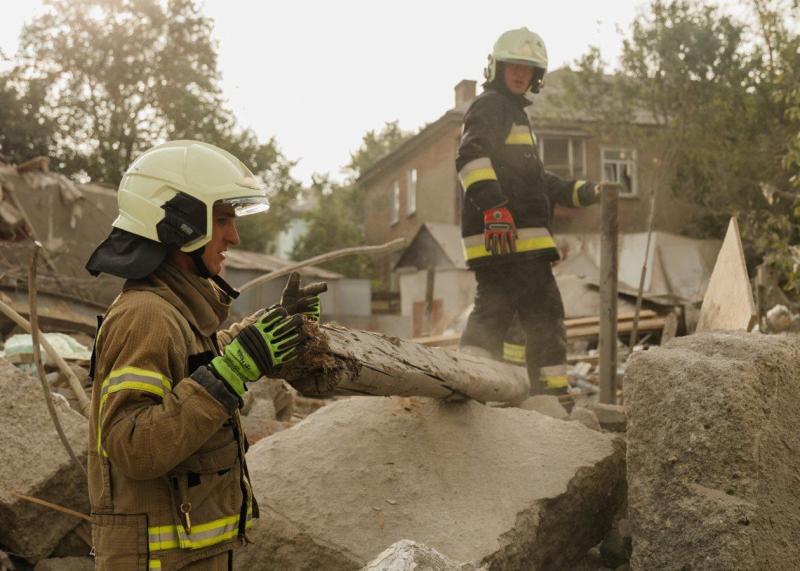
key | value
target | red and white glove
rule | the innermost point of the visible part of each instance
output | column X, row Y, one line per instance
column 499, row 231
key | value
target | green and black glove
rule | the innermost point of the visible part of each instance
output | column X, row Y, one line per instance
column 302, row 300
column 260, row 349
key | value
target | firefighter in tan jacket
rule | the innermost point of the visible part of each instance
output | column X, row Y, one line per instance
column 168, row 481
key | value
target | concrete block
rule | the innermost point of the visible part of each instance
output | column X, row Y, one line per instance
column 713, row 462
column 502, row 488
column 33, row 462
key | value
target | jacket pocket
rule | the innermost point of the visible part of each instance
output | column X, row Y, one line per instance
column 100, row 482
column 120, row 542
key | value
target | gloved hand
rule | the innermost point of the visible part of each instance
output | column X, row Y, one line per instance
column 260, row 349
column 593, row 190
column 304, row 300
column 499, row 231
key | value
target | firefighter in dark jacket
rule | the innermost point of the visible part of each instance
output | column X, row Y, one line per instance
column 507, row 212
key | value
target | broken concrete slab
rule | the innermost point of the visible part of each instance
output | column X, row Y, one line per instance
column 545, row 404
column 408, row 555
column 35, row 463
column 586, row 417
column 500, row 487
column 610, row 416
column 713, row 463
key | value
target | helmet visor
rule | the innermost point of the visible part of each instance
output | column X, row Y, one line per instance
column 246, row 205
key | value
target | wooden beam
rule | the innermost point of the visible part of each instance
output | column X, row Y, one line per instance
column 609, row 266
column 345, row 361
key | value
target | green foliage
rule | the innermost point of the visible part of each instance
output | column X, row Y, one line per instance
column 374, row 146
column 719, row 91
column 337, row 220
column 107, row 79
column 25, row 132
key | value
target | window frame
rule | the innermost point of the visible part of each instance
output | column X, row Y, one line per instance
column 394, row 203
column 634, row 192
column 412, row 178
column 576, row 146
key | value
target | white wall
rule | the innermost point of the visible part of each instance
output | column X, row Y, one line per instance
column 455, row 287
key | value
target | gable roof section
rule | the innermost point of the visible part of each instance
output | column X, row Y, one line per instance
column 434, row 245
column 443, row 125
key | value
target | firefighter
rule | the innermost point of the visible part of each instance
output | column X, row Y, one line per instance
column 507, row 213
column 168, row 482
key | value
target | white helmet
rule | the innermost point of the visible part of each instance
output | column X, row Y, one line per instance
column 168, row 193
column 166, row 200
column 519, row 46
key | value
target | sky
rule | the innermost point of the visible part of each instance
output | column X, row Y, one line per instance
column 317, row 75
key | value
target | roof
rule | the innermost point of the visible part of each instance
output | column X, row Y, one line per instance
column 434, row 245
column 547, row 107
column 246, row 260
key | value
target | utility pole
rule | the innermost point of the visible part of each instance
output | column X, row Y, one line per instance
column 609, row 264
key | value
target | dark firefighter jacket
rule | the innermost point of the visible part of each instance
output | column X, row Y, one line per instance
column 167, row 478
column 498, row 165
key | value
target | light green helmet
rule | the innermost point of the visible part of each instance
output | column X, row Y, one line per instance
column 168, row 193
column 519, row 46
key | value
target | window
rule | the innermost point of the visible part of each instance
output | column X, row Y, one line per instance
column 411, row 191
column 619, row 165
column 563, row 156
column 394, row 203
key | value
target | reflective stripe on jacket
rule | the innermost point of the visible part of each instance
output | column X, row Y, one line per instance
column 498, row 164
column 167, row 479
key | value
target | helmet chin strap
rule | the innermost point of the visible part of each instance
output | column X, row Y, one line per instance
column 202, row 269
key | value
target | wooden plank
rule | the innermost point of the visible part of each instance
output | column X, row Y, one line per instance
column 728, row 303
column 595, row 319
column 578, row 327
column 651, row 324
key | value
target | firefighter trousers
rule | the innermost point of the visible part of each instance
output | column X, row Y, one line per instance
column 526, row 288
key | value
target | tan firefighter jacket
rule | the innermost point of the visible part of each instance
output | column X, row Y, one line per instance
column 168, row 481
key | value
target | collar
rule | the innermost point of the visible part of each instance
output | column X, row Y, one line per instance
column 204, row 305
column 519, row 100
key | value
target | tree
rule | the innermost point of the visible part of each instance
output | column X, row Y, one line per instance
column 25, row 132
column 337, row 220
column 712, row 85
column 119, row 76
column 374, row 146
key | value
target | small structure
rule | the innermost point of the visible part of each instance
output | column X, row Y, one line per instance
column 435, row 285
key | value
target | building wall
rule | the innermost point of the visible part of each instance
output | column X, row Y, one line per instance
column 670, row 214
column 437, row 198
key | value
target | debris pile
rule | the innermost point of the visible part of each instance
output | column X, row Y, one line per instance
column 34, row 463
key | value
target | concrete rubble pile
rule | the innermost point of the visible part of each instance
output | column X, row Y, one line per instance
column 407, row 555
column 34, row 463
column 500, row 488
column 713, row 468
